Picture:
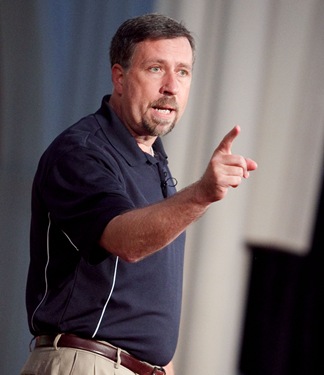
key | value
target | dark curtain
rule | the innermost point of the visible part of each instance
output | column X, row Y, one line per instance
column 284, row 328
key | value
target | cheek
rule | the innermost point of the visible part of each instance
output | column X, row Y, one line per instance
column 132, row 106
column 135, row 94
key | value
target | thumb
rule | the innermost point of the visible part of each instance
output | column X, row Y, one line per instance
column 226, row 143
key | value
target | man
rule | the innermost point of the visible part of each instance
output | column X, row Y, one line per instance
column 107, row 228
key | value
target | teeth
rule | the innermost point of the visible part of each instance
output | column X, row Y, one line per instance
column 165, row 111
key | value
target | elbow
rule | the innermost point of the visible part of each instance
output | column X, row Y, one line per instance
column 126, row 255
column 130, row 258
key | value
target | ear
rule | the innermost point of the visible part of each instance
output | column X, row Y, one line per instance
column 117, row 77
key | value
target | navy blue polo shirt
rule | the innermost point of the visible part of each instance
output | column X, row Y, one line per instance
column 92, row 172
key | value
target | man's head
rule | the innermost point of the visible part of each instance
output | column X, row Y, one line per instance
column 136, row 30
column 152, row 58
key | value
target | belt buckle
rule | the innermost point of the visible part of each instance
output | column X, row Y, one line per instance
column 161, row 369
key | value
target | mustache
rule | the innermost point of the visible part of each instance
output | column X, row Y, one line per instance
column 166, row 102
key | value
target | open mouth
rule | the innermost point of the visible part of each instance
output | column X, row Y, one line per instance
column 165, row 106
column 164, row 111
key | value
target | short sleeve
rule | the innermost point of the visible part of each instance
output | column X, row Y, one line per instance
column 83, row 191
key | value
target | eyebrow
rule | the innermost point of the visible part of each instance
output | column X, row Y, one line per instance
column 161, row 61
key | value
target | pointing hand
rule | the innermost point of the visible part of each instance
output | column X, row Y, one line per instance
column 225, row 169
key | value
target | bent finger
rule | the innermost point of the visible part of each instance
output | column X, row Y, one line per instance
column 251, row 164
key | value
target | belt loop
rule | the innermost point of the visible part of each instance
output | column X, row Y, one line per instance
column 118, row 359
column 31, row 344
column 57, row 339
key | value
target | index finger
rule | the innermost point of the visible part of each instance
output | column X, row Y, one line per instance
column 226, row 143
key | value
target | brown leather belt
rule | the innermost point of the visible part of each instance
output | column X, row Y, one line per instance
column 72, row 341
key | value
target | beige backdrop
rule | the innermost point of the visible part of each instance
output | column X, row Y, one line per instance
column 260, row 65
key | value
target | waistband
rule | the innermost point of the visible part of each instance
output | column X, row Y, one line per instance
column 97, row 347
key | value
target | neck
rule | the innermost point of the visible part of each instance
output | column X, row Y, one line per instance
column 146, row 148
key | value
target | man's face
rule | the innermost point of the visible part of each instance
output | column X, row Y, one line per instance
column 155, row 89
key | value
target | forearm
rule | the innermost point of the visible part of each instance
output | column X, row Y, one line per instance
column 141, row 232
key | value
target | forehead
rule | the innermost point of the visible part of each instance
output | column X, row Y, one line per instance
column 176, row 50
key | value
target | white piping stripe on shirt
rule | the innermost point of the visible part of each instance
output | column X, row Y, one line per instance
column 70, row 241
column 45, row 272
column 108, row 299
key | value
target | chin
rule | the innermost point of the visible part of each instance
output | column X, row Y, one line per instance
column 158, row 128
column 166, row 130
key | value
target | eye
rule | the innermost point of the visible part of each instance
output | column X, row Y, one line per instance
column 183, row 72
column 154, row 69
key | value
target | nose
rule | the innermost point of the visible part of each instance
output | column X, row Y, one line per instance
column 170, row 84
